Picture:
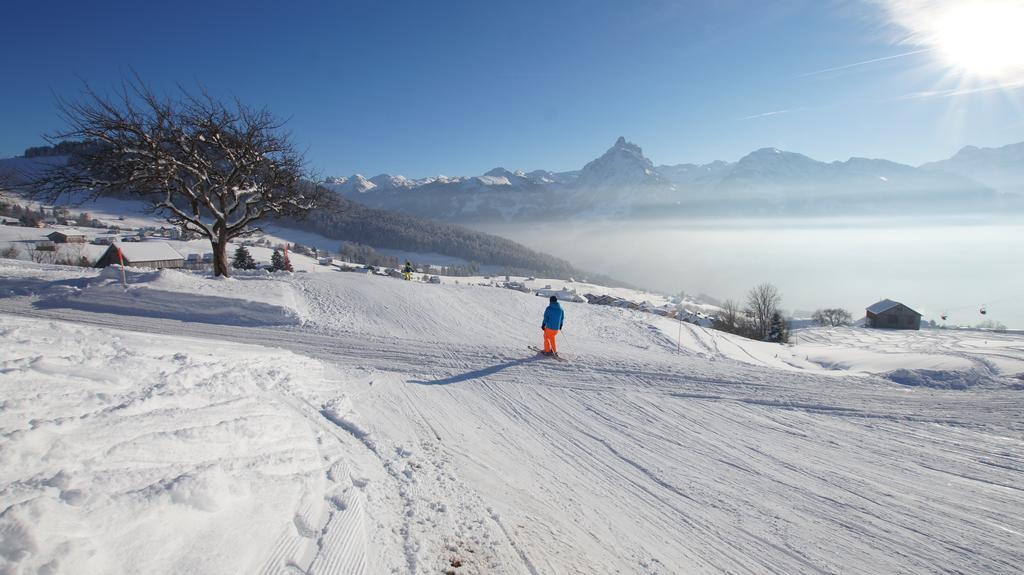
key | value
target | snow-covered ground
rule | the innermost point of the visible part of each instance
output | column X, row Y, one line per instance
column 132, row 215
column 346, row 423
column 126, row 452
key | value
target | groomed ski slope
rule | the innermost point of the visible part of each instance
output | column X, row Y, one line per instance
column 359, row 424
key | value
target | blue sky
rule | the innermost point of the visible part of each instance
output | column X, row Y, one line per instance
column 459, row 87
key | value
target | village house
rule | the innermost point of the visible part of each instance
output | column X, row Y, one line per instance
column 892, row 315
column 66, row 238
column 155, row 255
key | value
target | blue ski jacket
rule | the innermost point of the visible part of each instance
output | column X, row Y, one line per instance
column 553, row 317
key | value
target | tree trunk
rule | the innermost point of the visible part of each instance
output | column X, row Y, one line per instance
column 220, row 258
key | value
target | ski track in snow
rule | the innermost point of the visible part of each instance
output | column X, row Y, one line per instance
column 432, row 441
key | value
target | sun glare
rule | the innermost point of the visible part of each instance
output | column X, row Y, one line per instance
column 982, row 38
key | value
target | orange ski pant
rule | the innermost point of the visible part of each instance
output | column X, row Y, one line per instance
column 549, row 340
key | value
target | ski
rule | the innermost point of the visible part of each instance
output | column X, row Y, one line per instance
column 541, row 351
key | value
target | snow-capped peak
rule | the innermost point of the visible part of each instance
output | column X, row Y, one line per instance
column 387, row 181
column 355, row 183
column 623, row 164
column 499, row 172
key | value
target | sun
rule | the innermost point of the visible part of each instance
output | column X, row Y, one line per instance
column 982, row 38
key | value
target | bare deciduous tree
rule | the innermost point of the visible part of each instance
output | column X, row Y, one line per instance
column 42, row 254
column 729, row 319
column 208, row 167
column 762, row 303
column 832, row 317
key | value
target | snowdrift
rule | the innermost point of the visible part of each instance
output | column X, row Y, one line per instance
column 244, row 300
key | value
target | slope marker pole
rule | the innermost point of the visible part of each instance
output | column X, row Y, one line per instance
column 679, row 338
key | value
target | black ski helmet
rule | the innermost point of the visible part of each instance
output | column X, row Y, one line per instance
column 553, row 299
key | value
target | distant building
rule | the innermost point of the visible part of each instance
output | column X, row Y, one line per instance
column 9, row 221
column 892, row 315
column 562, row 294
column 155, row 255
column 603, row 299
column 63, row 238
column 518, row 286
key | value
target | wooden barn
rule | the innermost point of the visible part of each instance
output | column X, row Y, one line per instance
column 892, row 315
column 155, row 255
column 64, row 238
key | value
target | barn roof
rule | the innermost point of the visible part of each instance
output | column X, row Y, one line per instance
column 885, row 305
column 148, row 251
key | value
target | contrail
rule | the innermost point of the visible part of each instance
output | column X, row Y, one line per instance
column 765, row 114
column 865, row 62
column 960, row 91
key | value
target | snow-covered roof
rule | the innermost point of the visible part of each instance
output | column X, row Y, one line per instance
column 148, row 252
column 885, row 305
column 561, row 294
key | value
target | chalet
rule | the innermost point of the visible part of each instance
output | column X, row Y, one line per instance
column 562, row 294
column 518, row 286
column 892, row 315
column 9, row 221
column 66, row 238
column 155, row 255
column 610, row 300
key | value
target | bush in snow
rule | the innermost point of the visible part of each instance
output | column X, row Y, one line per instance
column 992, row 325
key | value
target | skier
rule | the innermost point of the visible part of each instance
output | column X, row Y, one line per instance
column 407, row 270
column 553, row 319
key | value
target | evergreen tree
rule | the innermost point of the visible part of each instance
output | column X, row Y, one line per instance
column 779, row 328
column 277, row 261
column 243, row 259
column 287, row 263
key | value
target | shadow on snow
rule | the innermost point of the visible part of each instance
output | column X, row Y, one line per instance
column 478, row 373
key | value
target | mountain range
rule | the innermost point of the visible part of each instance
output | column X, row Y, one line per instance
column 623, row 182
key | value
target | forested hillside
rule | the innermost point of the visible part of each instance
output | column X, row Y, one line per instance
column 346, row 220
